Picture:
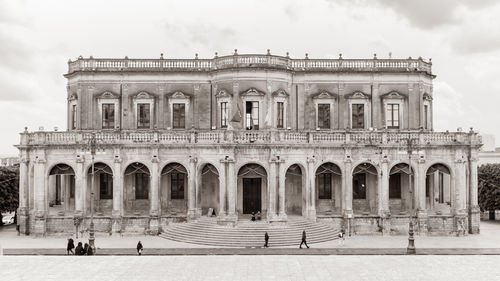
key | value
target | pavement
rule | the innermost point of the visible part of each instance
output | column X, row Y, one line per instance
column 486, row 243
column 288, row 267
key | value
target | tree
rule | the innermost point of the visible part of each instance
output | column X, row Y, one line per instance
column 9, row 189
column 489, row 187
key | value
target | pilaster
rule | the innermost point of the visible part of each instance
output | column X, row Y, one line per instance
column 420, row 200
column 383, row 198
column 192, row 188
column 154, row 211
column 22, row 212
column 281, row 190
column 271, row 210
column 79, row 186
column 222, row 189
column 347, row 194
column 39, row 190
column 474, row 211
column 231, row 191
column 311, row 192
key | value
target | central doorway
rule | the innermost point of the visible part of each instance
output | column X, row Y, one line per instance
column 252, row 201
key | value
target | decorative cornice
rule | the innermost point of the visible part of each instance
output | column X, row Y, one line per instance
column 179, row 95
column 324, row 95
column 252, row 92
column 280, row 93
column 357, row 95
column 143, row 95
column 108, row 95
column 393, row 95
column 223, row 94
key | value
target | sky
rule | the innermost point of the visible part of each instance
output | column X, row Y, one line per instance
column 37, row 38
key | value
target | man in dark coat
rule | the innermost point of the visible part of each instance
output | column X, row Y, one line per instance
column 79, row 249
column 85, row 249
column 71, row 246
column 139, row 248
column 266, row 238
column 303, row 239
column 90, row 251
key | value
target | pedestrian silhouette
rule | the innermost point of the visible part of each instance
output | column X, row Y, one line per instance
column 341, row 238
column 303, row 239
column 266, row 239
column 139, row 248
column 90, row 251
column 79, row 249
column 70, row 246
column 253, row 216
column 85, row 249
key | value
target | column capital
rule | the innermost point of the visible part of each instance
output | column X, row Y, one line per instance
column 311, row 159
column 348, row 160
column 117, row 160
column 155, row 159
column 228, row 160
column 40, row 161
column 193, row 159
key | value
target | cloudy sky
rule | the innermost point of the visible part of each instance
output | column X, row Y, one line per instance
column 38, row 37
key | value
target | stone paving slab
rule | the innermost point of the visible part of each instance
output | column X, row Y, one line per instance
column 261, row 251
column 249, row 268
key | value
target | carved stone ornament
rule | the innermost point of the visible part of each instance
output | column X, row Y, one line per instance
column 179, row 95
column 223, row 94
column 325, row 95
column 281, row 93
column 72, row 97
column 393, row 95
column 427, row 97
column 252, row 92
column 357, row 95
column 108, row 95
column 143, row 95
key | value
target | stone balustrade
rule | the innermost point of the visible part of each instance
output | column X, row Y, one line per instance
column 331, row 138
column 246, row 61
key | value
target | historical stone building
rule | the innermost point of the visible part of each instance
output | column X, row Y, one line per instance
column 349, row 142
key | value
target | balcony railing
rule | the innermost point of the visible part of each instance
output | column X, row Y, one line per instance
column 330, row 138
column 245, row 61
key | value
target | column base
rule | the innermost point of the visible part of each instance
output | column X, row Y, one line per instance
column 116, row 225
column 422, row 218
column 23, row 221
column 40, row 226
column 385, row 222
column 348, row 222
column 474, row 220
column 460, row 223
column 192, row 215
column 154, row 225
column 311, row 215
column 229, row 220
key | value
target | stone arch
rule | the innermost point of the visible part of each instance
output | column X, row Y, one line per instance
column 137, row 189
column 439, row 191
column 365, row 188
column 401, row 193
column 174, row 189
column 251, row 198
column 61, row 189
column 295, row 189
column 208, row 186
column 103, row 188
column 328, row 185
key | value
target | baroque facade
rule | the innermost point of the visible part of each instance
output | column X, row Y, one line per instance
column 346, row 141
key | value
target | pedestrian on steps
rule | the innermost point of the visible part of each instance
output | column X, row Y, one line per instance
column 303, row 240
column 139, row 248
column 341, row 238
column 70, row 246
column 266, row 239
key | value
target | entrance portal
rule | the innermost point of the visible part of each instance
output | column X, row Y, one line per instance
column 252, row 195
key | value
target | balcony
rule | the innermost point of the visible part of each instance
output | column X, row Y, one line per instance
column 250, row 61
column 265, row 137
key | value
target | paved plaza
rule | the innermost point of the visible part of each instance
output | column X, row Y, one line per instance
column 251, row 268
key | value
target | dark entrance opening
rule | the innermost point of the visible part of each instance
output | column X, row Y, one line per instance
column 252, row 201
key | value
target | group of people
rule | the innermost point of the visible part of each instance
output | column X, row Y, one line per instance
column 79, row 250
column 304, row 239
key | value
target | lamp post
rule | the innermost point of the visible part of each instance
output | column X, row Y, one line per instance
column 411, row 240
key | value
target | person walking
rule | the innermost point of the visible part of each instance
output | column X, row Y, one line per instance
column 266, row 239
column 79, row 249
column 139, row 248
column 303, row 240
column 70, row 246
column 341, row 238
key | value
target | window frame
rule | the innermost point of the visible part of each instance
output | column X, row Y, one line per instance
column 103, row 122
column 109, row 98
column 139, row 116
column 224, row 114
column 390, row 118
column 175, row 179
column 325, row 186
column 181, row 112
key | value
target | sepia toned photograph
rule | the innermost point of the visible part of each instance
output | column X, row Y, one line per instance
column 249, row 140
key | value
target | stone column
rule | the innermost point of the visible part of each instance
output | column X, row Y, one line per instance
column 420, row 200
column 222, row 190
column 40, row 202
column 460, row 223
column 79, row 186
column 311, row 192
column 154, row 222
column 117, row 195
column 22, row 212
column 231, row 191
column 347, row 196
column 66, row 190
column 474, row 211
column 192, row 188
column 383, row 195
column 281, row 191
column 271, row 209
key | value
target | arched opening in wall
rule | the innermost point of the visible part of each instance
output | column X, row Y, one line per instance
column 400, row 195
column 173, row 191
column 209, row 191
column 328, row 189
column 252, row 190
column 103, row 189
column 61, row 190
column 137, row 185
column 364, row 189
column 295, row 184
column 438, row 191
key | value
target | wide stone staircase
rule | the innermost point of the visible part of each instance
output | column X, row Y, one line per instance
column 206, row 231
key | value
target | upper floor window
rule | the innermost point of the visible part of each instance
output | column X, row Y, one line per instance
column 280, row 112
column 179, row 116
column 392, row 116
column 252, row 115
column 427, row 118
column 358, row 116
column 73, row 118
column 143, row 115
column 224, row 114
column 108, row 116
column 324, row 116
